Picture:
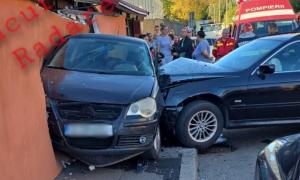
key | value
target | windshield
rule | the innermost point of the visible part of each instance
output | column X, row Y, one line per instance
column 211, row 27
column 260, row 29
column 247, row 55
column 211, row 41
column 104, row 57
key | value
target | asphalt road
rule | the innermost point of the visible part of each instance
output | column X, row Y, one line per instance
column 235, row 160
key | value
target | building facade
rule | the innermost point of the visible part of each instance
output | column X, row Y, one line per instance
column 154, row 7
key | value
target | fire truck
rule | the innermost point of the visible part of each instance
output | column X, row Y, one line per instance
column 254, row 16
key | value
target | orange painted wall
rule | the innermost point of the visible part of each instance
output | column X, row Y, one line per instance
column 25, row 147
column 112, row 25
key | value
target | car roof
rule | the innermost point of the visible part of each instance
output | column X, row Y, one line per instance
column 109, row 37
column 283, row 37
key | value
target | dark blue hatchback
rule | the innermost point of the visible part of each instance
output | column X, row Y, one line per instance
column 103, row 99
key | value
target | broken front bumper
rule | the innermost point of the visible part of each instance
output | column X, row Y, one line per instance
column 129, row 138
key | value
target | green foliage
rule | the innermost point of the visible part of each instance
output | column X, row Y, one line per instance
column 296, row 5
column 217, row 10
column 167, row 4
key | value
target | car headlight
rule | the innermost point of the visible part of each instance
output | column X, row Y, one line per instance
column 145, row 108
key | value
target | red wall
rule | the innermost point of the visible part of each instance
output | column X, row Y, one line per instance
column 25, row 147
column 115, row 25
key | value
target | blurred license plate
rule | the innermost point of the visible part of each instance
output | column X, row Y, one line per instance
column 88, row 130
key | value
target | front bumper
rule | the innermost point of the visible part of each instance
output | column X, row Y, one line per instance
column 169, row 118
column 129, row 139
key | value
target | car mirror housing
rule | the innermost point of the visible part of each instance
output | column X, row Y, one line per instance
column 266, row 69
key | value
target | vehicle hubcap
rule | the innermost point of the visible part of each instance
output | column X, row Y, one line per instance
column 202, row 126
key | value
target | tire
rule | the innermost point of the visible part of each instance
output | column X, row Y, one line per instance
column 153, row 153
column 191, row 131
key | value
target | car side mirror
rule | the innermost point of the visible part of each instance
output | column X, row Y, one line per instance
column 266, row 69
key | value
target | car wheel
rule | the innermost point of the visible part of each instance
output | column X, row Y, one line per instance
column 153, row 153
column 199, row 125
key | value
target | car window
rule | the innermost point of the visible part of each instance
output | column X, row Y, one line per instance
column 260, row 29
column 104, row 56
column 288, row 59
column 211, row 41
column 247, row 55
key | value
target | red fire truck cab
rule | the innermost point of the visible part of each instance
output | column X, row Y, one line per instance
column 254, row 16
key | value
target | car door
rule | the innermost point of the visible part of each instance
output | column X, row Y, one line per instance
column 276, row 96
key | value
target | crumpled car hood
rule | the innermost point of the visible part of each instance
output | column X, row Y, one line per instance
column 186, row 70
column 97, row 88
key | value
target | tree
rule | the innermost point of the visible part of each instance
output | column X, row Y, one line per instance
column 180, row 9
column 230, row 12
column 296, row 5
column 167, row 4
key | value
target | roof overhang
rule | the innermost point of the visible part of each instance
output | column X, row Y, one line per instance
column 123, row 6
column 132, row 9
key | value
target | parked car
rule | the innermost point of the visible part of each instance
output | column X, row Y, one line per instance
column 257, row 84
column 280, row 160
column 103, row 99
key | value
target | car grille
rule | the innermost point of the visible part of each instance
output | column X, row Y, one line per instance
column 133, row 140
column 90, row 143
column 88, row 111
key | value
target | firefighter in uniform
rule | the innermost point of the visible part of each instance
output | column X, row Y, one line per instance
column 223, row 45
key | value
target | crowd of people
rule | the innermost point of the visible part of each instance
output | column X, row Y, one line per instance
column 173, row 47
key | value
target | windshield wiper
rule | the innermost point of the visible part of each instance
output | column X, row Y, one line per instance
column 91, row 71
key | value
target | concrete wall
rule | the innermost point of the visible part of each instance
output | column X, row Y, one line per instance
column 25, row 147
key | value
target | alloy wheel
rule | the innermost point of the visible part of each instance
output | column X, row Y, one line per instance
column 202, row 126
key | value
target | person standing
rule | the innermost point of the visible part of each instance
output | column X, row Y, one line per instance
column 164, row 45
column 175, row 47
column 202, row 50
column 172, row 32
column 151, row 41
column 172, row 36
column 144, row 37
column 223, row 45
column 156, row 32
column 185, row 45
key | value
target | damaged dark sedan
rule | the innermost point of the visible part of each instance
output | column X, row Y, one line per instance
column 103, row 99
column 255, row 85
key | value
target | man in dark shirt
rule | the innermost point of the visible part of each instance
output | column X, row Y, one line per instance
column 273, row 29
column 186, row 44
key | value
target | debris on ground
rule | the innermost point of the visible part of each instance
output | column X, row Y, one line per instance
column 92, row 168
column 141, row 165
column 221, row 140
column 65, row 164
